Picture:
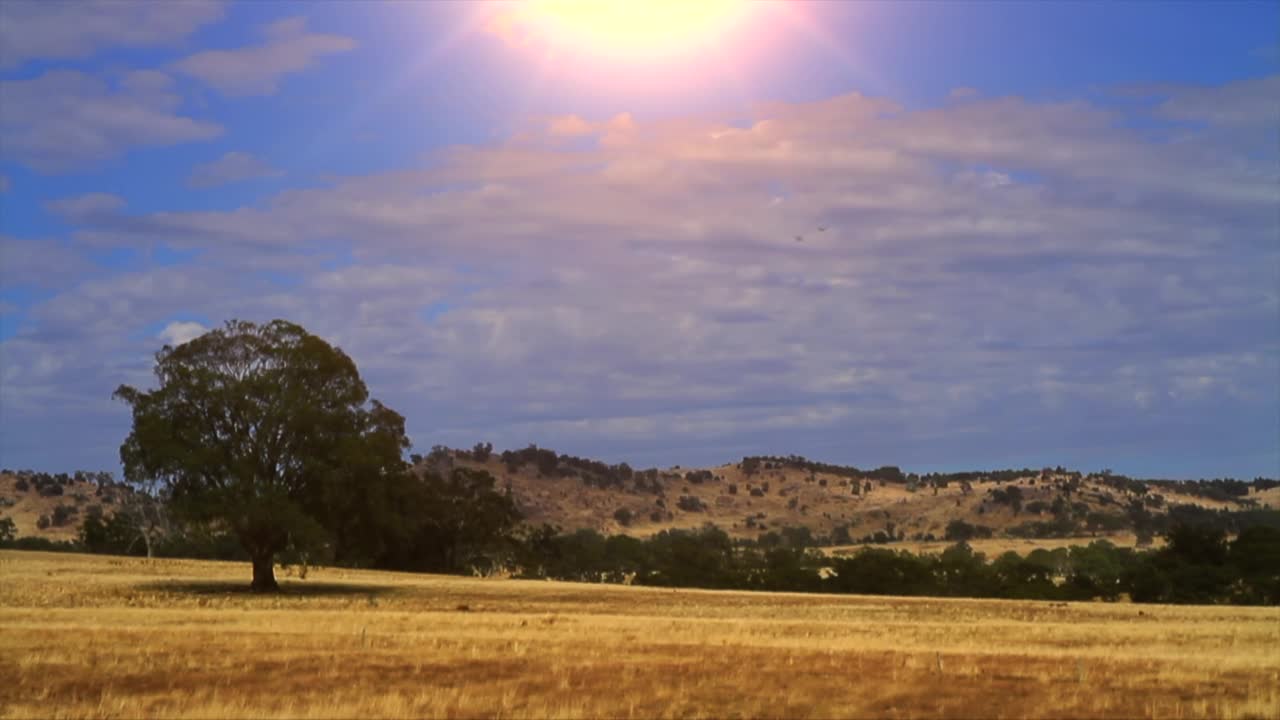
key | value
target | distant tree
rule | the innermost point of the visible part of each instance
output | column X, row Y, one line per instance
column 62, row 515
column 269, row 431
column 460, row 522
column 482, row 451
column 8, row 530
column 960, row 531
column 1255, row 558
column 623, row 516
column 691, row 503
column 146, row 513
column 840, row 535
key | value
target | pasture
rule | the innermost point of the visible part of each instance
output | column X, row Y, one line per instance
column 93, row 636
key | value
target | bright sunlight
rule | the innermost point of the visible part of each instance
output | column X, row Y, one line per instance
column 625, row 30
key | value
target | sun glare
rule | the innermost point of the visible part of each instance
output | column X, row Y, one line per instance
column 626, row 30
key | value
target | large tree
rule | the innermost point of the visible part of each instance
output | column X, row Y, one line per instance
column 268, row 432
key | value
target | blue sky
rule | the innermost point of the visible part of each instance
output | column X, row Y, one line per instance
column 1053, row 229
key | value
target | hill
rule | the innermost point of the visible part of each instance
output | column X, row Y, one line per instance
column 55, row 506
column 816, row 503
column 839, row 505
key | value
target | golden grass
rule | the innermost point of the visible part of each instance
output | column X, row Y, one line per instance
column 115, row 637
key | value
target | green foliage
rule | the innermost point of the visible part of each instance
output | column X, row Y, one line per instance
column 459, row 522
column 268, row 431
column 961, row 531
column 8, row 530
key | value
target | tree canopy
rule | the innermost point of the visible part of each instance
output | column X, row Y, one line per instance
column 268, row 432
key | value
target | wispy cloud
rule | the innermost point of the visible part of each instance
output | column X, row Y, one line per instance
column 65, row 120
column 32, row 30
column 287, row 48
column 230, row 168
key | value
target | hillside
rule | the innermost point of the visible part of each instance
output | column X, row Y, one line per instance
column 760, row 495
column 63, row 501
column 751, row 498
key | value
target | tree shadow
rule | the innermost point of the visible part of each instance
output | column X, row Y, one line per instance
column 295, row 588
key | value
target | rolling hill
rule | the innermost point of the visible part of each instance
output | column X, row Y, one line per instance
column 837, row 506
column 760, row 495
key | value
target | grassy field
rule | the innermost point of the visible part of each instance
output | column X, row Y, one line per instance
column 116, row 637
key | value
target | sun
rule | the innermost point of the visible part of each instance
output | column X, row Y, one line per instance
column 623, row 30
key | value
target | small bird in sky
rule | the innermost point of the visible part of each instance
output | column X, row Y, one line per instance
column 799, row 238
column 822, row 228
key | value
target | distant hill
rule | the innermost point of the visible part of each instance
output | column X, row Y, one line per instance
column 758, row 495
column 752, row 497
column 53, row 506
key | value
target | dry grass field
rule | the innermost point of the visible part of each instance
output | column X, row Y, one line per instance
column 88, row 636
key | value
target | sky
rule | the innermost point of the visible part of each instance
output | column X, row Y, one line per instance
column 937, row 235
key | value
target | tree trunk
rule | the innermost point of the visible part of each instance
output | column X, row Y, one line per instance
column 264, row 573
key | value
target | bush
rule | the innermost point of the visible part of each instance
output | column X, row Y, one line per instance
column 52, row 489
column 63, row 514
column 8, row 530
column 960, row 531
column 689, row 503
column 43, row 522
column 733, row 488
column 757, row 492
column 623, row 516
column 22, row 485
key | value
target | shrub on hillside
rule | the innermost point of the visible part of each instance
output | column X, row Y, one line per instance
column 690, row 503
column 63, row 514
column 961, row 531
column 623, row 516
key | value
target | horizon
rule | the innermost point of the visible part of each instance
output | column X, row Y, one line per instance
column 923, row 235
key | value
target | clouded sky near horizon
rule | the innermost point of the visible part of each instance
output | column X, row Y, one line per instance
column 1052, row 230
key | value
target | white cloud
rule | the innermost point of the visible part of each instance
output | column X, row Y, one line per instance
column 257, row 70
column 176, row 333
column 231, row 167
column 86, row 208
column 38, row 263
column 52, row 29
column 982, row 262
column 63, row 119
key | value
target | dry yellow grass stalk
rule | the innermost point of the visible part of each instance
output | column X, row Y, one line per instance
column 86, row 636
